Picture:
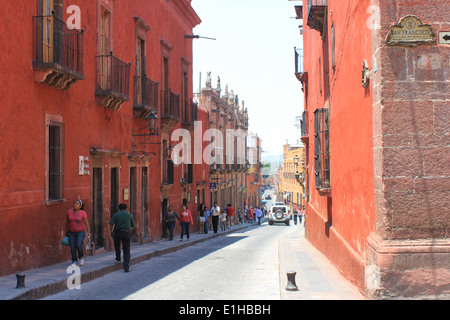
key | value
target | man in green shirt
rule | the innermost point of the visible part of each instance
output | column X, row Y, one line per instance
column 121, row 223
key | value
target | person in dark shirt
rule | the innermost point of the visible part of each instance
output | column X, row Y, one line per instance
column 169, row 218
column 121, row 224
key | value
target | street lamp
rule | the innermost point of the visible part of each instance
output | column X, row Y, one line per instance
column 194, row 36
column 152, row 120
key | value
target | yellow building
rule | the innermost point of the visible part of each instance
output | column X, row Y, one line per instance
column 291, row 177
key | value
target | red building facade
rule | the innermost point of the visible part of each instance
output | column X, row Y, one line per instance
column 228, row 124
column 374, row 127
column 79, row 120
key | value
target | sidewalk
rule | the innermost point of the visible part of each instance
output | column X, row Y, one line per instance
column 316, row 278
column 49, row 280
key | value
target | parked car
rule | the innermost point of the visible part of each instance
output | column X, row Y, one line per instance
column 280, row 214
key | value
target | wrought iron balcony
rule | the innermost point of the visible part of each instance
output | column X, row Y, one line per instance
column 189, row 114
column 170, row 109
column 299, row 72
column 113, row 81
column 317, row 11
column 58, row 52
column 146, row 94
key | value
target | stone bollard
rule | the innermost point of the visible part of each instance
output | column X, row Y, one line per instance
column 20, row 280
column 291, row 286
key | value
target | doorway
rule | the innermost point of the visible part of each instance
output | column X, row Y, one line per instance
column 134, row 201
column 114, row 204
column 144, row 203
column 165, row 233
column 97, row 208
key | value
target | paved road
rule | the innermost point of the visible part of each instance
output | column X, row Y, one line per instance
column 241, row 265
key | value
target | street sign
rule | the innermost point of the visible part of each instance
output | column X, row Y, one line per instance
column 212, row 185
column 410, row 31
column 444, row 37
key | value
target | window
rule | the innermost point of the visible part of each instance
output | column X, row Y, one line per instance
column 55, row 161
column 322, row 148
column 140, row 69
column 103, row 46
column 47, row 36
column 167, row 165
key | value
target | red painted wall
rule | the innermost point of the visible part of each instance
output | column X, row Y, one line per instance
column 339, row 223
column 31, row 230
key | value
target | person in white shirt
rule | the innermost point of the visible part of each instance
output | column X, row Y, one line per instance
column 215, row 213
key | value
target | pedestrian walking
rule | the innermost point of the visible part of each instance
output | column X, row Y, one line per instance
column 250, row 215
column 301, row 215
column 185, row 220
column 169, row 218
column 223, row 220
column 207, row 214
column 75, row 229
column 240, row 217
column 258, row 215
column 296, row 216
column 230, row 214
column 201, row 211
column 215, row 213
column 121, row 224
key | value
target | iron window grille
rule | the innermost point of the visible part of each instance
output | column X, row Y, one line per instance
column 322, row 148
column 55, row 155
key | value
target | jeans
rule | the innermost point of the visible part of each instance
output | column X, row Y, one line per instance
column 124, row 237
column 171, row 226
column 76, row 244
column 184, row 226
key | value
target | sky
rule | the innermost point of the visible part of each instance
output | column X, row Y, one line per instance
column 254, row 54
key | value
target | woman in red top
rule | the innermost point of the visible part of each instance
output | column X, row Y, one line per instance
column 76, row 225
column 185, row 219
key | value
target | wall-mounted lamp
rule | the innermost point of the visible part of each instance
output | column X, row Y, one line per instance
column 366, row 74
column 152, row 120
column 150, row 130
column 152, row 126
column 194, row 36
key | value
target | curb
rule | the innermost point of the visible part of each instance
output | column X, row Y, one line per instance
column 103, row 265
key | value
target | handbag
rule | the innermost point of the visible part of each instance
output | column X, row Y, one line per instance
column 65, row 241
column 88, row 243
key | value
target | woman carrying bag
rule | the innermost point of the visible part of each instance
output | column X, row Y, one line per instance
column 76, row 225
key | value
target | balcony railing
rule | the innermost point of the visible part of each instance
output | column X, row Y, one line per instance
column 58, row 52
column 113, row 81
column 189, row 113
column 298, row 56
column 170, row 104
column 146, row 95
column 170, row 109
